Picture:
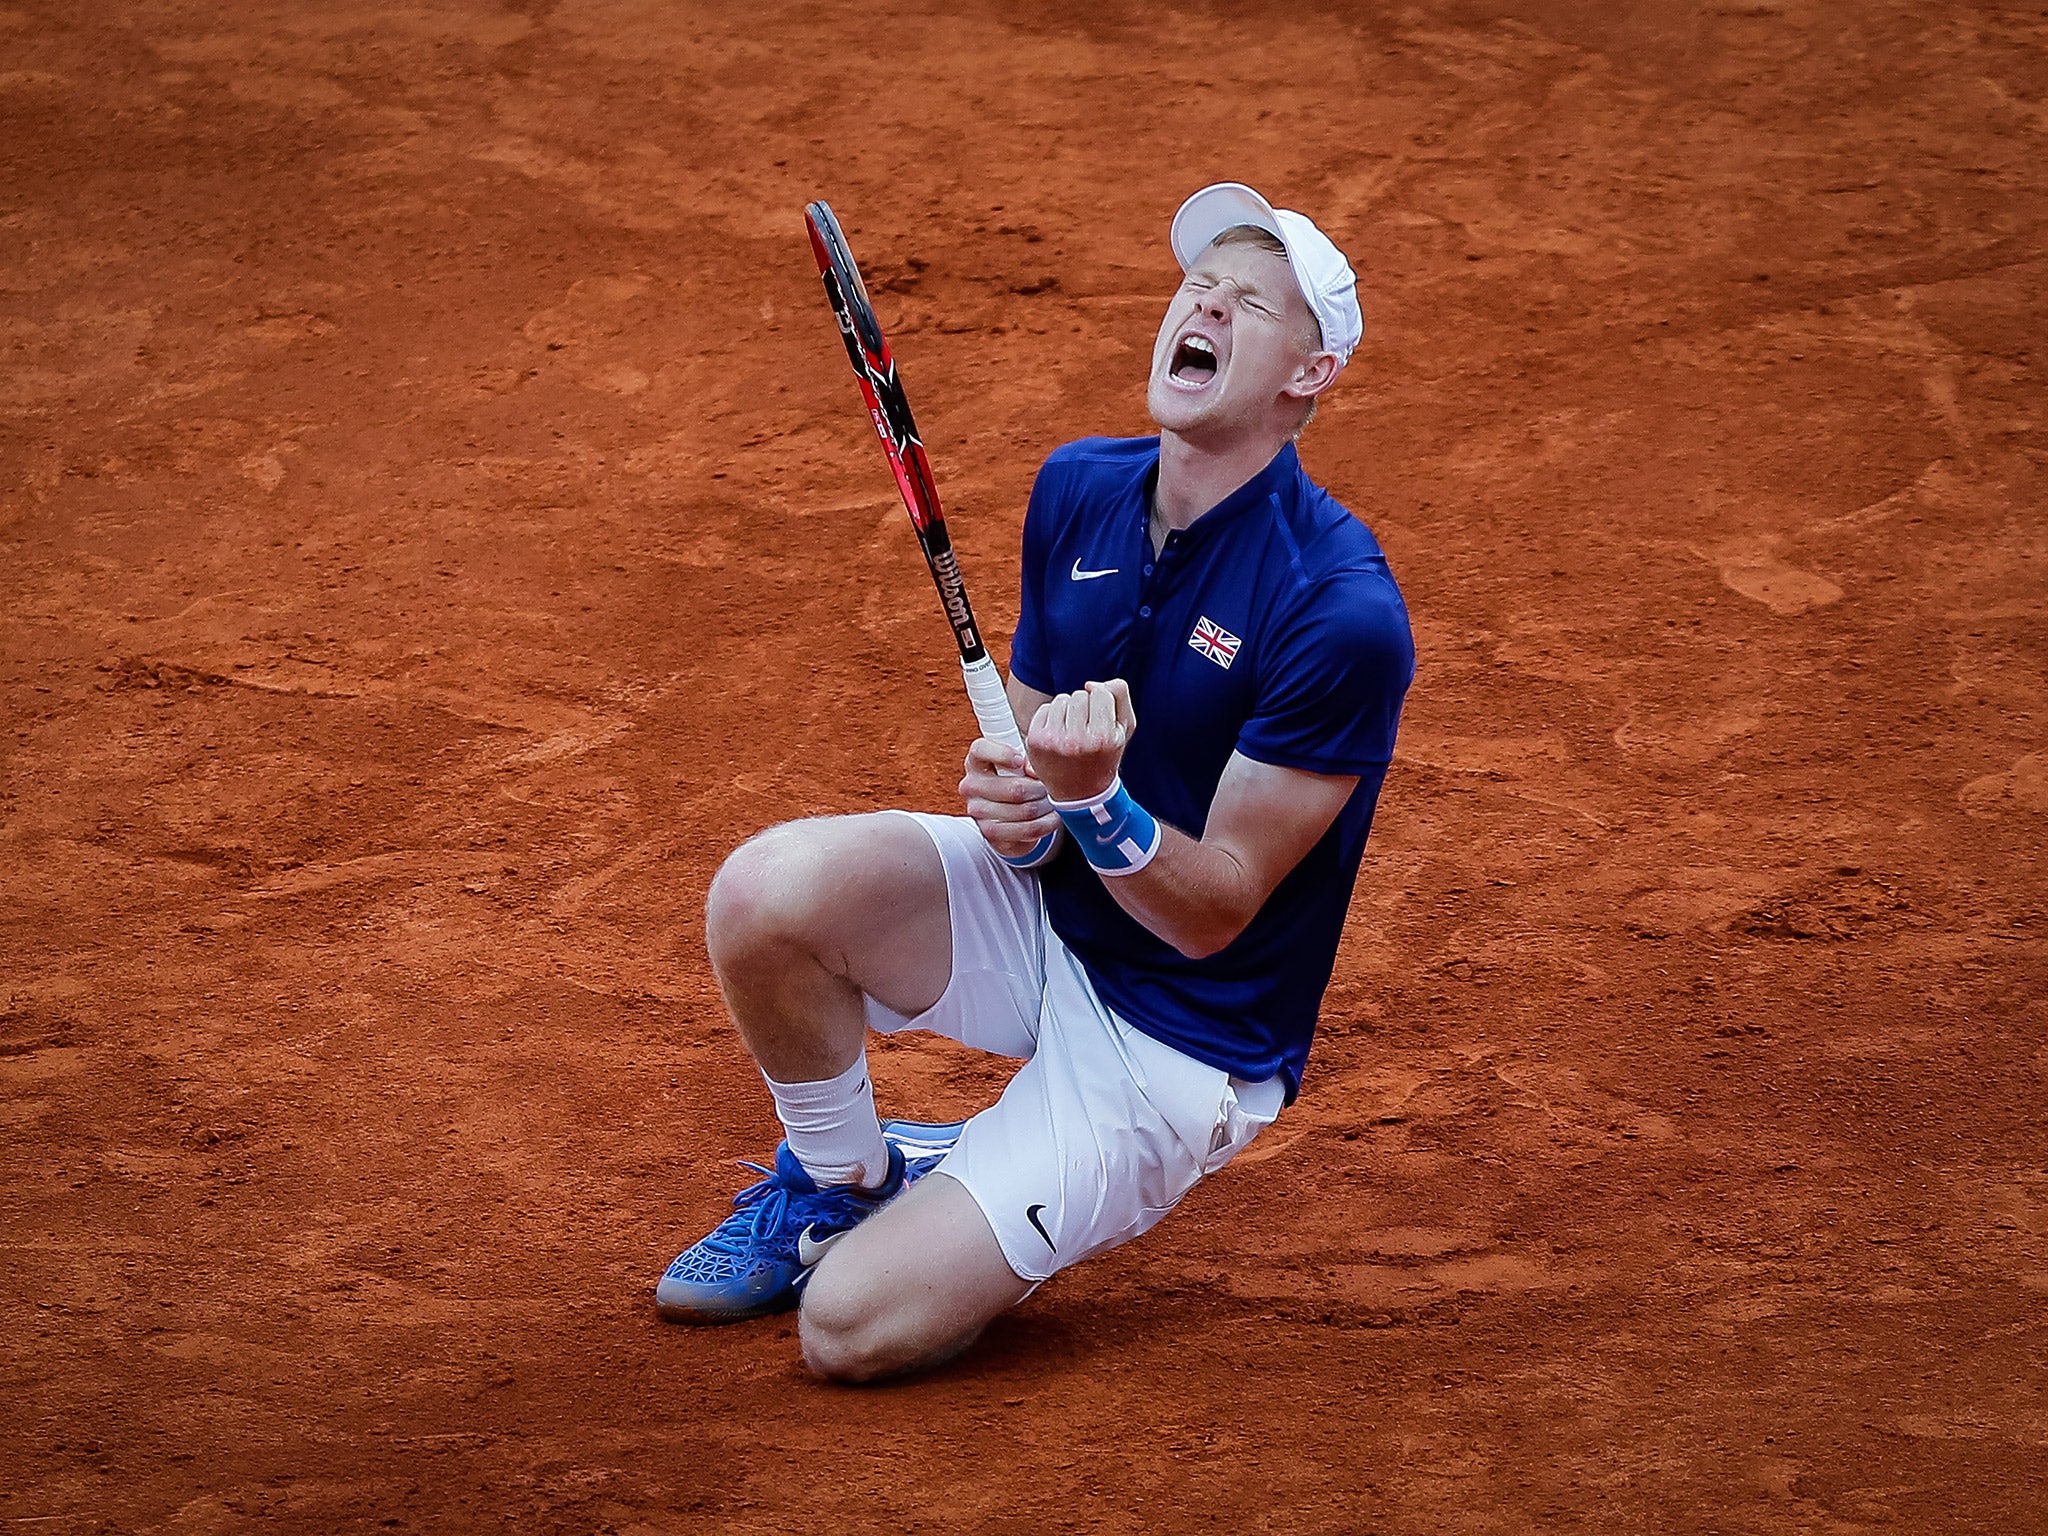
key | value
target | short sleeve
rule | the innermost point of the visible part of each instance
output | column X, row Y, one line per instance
column 1332, row 680
column 1028, row 662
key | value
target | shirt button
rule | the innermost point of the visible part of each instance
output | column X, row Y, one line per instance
column 1144, row 613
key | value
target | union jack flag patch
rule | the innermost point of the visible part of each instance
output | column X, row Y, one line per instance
column 1215, row 642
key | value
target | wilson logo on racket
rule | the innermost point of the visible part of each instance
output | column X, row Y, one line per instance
column 953, row 591
column 1215, row 642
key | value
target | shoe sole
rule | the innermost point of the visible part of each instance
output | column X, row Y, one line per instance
column 709, row 1317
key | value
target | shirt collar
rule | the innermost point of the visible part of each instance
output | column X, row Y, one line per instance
column 1281, row 470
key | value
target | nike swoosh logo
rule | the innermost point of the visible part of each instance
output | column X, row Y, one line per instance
column 1081, row 575
column 808, row 1252
column 1031, row 1215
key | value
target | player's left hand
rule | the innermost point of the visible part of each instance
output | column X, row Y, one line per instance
column 1077, row 740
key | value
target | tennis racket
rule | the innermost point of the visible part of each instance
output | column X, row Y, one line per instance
column 868, row 350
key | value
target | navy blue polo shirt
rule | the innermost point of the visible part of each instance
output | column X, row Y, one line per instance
column 1271, row 627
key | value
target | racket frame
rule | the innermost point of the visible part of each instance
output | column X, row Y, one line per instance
column 874, row 366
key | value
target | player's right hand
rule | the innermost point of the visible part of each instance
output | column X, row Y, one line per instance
column 1005, row 799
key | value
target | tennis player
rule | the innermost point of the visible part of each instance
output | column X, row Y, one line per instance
column 1209, row 665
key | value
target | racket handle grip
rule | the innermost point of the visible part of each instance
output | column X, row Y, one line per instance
column 992, row 710
column 991, row 702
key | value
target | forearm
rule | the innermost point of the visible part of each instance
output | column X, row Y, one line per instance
column 1195, row 896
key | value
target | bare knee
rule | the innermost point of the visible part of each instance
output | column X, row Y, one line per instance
column 827, row 884
column 860, row 900
column 854, row 1335
column 908, row 1288
column 760, row 899
column 838, row 1332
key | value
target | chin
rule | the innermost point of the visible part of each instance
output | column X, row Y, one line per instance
column 1171, row 411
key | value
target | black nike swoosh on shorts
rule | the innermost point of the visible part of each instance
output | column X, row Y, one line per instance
column 1031, row 1215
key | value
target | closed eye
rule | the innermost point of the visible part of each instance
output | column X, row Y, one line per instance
column 1197, row 283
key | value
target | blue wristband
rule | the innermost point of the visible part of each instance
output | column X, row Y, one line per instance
column 1041, row 853
column 1116, row 834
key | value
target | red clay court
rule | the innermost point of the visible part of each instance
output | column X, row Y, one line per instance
column 437, row 525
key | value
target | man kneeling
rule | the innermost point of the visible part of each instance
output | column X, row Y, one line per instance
column 1147, row 914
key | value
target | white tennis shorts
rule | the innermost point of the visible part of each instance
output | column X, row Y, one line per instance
column 1103, row 1130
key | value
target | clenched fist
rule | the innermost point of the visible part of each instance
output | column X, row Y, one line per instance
column 1077, row 740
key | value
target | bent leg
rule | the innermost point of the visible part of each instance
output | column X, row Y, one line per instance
column 809, row 916
column 908, row 1288
column 815, row 929
column 1095, row 1139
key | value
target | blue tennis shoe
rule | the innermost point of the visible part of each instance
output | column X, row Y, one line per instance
column 756, row 1260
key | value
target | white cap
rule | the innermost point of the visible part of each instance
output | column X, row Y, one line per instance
column 1326, row 278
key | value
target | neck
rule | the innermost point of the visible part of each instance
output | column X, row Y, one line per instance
column 1194, row 477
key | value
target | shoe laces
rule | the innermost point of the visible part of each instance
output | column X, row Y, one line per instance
column 773, row 1213
column 758, row 1211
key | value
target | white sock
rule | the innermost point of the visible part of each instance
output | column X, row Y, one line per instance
column 832, row 1126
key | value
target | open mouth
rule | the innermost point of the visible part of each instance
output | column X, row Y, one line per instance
column 1194, row 362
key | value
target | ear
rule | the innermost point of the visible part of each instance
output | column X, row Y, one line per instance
column 1313, row 375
